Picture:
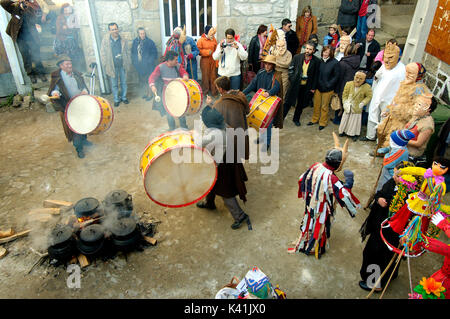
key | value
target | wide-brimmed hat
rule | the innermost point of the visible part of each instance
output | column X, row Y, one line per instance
column 334, row 26
column 270, row 59
column 212, row 118
column 63, row 58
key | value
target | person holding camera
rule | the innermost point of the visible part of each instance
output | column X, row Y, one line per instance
column 115, row 57
column 230, row 53
column 22, row 28
column 303, row 76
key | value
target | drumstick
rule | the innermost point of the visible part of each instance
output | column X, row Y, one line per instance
column 45, row 98
column 157, row 98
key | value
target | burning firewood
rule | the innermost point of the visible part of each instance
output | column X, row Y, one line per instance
column 51, row 211
column 6, row 233
column 152, row 241
column 82, row 259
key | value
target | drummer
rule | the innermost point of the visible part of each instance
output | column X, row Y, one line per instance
column 66, row 83
column 269, row 80
column 161, row 76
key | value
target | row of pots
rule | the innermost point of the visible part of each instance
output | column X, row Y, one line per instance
column 116, row 201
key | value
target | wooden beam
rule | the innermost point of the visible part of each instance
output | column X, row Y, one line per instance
column 54, row 203
column 51, row 211
column 82, row 259
column 152, row 241
column 14, row 237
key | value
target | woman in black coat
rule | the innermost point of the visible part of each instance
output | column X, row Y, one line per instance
column 348, row 65
column 255, row 48
column 143, row 57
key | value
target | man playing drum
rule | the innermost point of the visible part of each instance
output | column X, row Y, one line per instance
column 163, row 74
column 231, row 173
column 269, row 80
column 66, row 83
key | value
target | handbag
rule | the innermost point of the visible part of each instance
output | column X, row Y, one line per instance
column 336, row 102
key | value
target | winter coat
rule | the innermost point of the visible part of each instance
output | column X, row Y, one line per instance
column 149, row 56
column 348, row 13
column 253, row 53
column 17, row 17
column 292, row 43
column 374, row 48
column 107, row 58
column 348, row 65
column 364, row 95
column 328, row 75
column 311, row 28
column 295, row 74
column 230, row 65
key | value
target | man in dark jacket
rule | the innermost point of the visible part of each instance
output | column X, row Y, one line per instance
column 22, row 29
column 348, row 13
column 292, row 42
column 368, row 50
column 66, row 83
column 303, row 76
column 143, row 57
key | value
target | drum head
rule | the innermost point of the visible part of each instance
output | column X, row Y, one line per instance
column 176, row 98
column 174, row 184
column 83, row 114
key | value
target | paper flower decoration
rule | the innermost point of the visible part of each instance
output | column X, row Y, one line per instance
column 430, row 289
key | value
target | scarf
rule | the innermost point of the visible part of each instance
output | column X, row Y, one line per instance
column 305, row 29
column 262, row 41
column 140, row 49
column 173, row 44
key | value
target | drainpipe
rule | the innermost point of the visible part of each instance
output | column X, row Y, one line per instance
column 13, row 58
column 96, row 39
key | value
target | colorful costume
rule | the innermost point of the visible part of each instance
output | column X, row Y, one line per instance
column 319, row 186
column 207, row 44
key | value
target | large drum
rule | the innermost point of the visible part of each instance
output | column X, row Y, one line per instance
column 182, row 97
column 88, row 114
column 172, row 182
column 262, row 110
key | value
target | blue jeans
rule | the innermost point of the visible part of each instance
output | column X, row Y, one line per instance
column 78, row 141
column 120, row 75
column 361, row 28
column 267, row 133
column 235, row 82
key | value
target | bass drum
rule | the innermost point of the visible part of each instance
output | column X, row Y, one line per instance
column 262, row 110
column 176, row 172
column 182, row 97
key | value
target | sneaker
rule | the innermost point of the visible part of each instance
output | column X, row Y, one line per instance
column 116, row 104
column 125, row 101
column 311, row 123
column 321, row 128
column 203, row 205
column 80, row 153
column 237, row 224
column 297, row 123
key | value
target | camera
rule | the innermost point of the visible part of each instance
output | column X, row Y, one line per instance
column 224, row 45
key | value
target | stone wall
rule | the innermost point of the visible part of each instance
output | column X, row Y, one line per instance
column 437, row 77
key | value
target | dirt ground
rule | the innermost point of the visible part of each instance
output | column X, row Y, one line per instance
column 197, row 253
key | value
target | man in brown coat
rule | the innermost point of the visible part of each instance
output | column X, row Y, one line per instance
column 22, row 30
column 231, row 177
column 66, row 83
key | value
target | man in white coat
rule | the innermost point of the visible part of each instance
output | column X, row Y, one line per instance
column 230, row 53
column 387, row 82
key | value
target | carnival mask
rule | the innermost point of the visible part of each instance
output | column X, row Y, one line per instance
column 280, row 47
column 412, row 70
column 359, row 79
column 391, row 55
column 438, row 169
column 337, row 155
column 211, row 32
column 345, row 41
column 422, row 105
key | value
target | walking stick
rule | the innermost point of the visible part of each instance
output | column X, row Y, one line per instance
column 374, row 190
column 380, row 141
column 188, row 51
column 396, row 265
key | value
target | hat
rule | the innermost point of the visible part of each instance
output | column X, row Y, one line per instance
column 334, row 26
column 212, row 118
column 270, row 59
column 207, row 28
column 63, row 58
column 401, row 137
column 421, row 73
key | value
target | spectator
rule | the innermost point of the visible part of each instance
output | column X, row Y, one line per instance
column 380, row 54
column 348, row 13
column 376, row 65
column 361, row 27
column 230, row 53
column 255, row 48
column 326, row 84
column 318, row 47
column 368, row 50
column 116, row 60
column 22, row 30
column 207, row 44
column 66, row 41
column 332, row 38
column 303, row 76
column 290, row 35
column 306, row 25
column 143, row 56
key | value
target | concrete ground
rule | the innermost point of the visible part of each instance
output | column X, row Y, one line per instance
column 198, row 253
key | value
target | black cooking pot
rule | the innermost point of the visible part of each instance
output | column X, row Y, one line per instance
column 91, row 239
column 125, row 234
column 86, row 207
column 62, row 246
column 120, row 201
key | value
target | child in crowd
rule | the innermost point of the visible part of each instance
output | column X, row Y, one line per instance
column 332, row 38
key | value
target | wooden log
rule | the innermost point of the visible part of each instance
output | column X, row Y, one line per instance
column 54, row 203
column 152, row 241
column 6, row 233
column 14, row 237
column 43, row 218
column 3, row 252
column 51, row 211
column 74, row 260
column 82, row 259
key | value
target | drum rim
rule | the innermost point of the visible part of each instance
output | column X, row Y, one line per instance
column 194, row 201
column 112, row 117
column 67, row 108
column 187, row 93
column 264, row 122
column 201, row 96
